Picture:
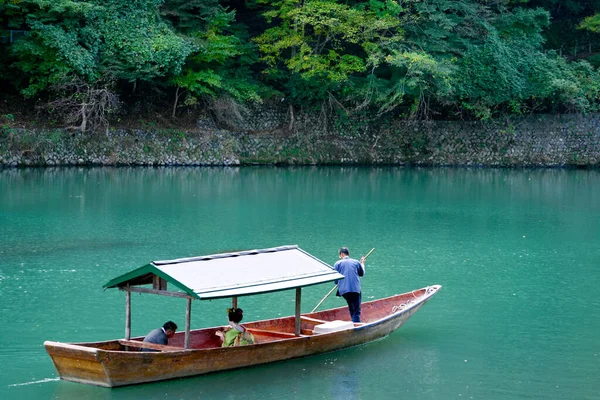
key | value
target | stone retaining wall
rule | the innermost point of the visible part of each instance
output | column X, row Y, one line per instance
column 564, row 140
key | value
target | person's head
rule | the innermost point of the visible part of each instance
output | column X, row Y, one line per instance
column 235, row 314
column 344, row 252
column 170, row 328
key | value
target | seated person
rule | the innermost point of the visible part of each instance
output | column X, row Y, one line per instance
column 235, row 334
column 161, row 335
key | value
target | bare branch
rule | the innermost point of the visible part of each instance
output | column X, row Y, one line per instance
column 84, row 106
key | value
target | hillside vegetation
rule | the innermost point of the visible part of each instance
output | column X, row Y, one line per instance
column 87, row 64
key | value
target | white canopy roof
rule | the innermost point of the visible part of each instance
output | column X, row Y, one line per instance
column 236, row 274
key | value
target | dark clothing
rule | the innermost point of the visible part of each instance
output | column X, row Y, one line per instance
column 353, row 299
column 157, row 336
column 349, row 287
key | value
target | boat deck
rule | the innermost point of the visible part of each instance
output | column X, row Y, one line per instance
column 268, row 330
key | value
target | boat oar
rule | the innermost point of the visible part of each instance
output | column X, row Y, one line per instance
column 369, row 253
column 323, row 299
column 335, row 287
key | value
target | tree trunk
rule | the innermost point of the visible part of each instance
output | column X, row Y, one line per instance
column 291, row 126
column 83, row 118
column 175, row 102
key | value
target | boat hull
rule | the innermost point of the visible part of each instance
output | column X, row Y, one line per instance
column 109, row 364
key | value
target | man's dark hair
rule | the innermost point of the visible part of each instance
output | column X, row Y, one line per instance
column 170, row 326
column 344, row 251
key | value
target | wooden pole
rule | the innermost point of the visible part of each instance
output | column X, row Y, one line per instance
column 127, row 314
column 234, row 302
column 188, row 315
column 323, row 299
column 298, row 301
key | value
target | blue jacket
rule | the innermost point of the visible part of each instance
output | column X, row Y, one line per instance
column 352, row 270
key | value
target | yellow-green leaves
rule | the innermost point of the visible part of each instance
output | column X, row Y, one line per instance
column 326, row 40
column 591, row 23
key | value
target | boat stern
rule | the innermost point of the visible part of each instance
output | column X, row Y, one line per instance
column 78, row 363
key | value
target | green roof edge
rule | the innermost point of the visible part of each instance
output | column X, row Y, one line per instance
column 148, row 268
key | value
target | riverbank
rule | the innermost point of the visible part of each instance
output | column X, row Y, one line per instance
column 546, row 141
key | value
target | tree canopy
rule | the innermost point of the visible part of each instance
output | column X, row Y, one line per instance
column 472, row 59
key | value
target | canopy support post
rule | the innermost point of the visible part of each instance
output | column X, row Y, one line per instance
column 298, row 301
column 127, row 314
column 234, row 302
column 188, row 314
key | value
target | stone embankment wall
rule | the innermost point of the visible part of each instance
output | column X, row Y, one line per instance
column 272, row 138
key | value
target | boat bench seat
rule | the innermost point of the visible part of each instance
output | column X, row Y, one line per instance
column 312, row 320
column 264, row 336
column 144, row 345
column 276, row 334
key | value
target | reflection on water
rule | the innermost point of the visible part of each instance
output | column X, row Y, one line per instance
column 346, row 384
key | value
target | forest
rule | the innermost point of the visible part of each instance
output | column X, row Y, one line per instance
column 91, row 63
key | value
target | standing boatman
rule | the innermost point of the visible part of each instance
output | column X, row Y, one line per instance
column 349, row 287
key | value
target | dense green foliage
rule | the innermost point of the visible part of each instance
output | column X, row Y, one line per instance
column 92, row 40
column 419, row 58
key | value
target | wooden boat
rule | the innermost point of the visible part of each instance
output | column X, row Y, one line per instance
column 193, row 352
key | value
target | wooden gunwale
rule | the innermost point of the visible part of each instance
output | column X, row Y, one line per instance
column 109, row 364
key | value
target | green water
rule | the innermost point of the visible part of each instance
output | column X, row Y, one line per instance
column 517, row 253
